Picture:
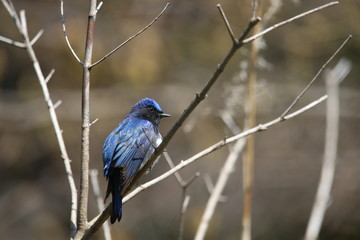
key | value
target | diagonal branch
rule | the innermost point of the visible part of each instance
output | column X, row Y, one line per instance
column 96, row 222
column 316, row 76
column 220, row 144
column 220, row 68
column 227, row 24
column 132, row 37
column 224, row 174
column 280, row 24
column 199, row 97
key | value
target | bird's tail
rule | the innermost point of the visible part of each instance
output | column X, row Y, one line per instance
column 114, row 186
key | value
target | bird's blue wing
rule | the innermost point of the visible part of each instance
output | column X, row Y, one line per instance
column 127, row 146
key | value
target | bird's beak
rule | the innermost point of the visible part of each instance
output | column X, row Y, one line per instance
column 162, row 115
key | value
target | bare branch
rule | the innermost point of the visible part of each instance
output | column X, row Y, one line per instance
column 254, row 8
column 57, row 104
column 333, row 78
column 316, row 76
column 12, row 12
column 96, row 222
column 219, row 187
column 199, row 97
column 132, row 37
column 85, row 126
column 220, row 144
column 12, row 42
column 220, row 68
column 99, row 201
column 171, row 164
column 37, row 36
column 22, row 27
column 275, row 26
column 210, row 187
column 20, row 44
column 48, row 77
column 185, row 198
column 93, row 122
column 65, row 34
column 185, row 204
column 99, row 6
column 227, row 24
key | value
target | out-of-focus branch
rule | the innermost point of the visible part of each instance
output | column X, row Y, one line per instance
column 219, row 187
column 250, row 121
column 22, row 27
column 99, row 201
column 185, row 199
column 333, row 78
column 132, row 37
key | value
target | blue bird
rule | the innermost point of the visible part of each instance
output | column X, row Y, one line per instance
column 128, row 148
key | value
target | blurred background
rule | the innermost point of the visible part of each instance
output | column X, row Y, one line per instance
column 170, row 62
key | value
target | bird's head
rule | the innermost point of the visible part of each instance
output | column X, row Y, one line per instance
column 148, row 109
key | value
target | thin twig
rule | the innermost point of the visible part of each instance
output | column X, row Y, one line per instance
column 49, row 76
column 37, row 37
column 65, row 34
column 99, row 201
column 227, row 24
column 275, row 26
column 132, row 37
column 93, row 122
column 171, row 164
column 99, row 6
column 333, row 78
column 316, row 76
column 254, row 8
column 22, row 27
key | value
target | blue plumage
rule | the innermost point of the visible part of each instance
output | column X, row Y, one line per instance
column 129, row 147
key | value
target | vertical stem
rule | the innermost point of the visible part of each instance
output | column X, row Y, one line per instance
column 85, row 114
column 329, row 163
column 249, row 158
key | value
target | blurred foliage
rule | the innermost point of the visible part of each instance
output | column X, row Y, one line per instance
column 170, row 62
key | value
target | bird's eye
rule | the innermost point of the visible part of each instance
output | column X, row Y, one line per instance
column 151, row 109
